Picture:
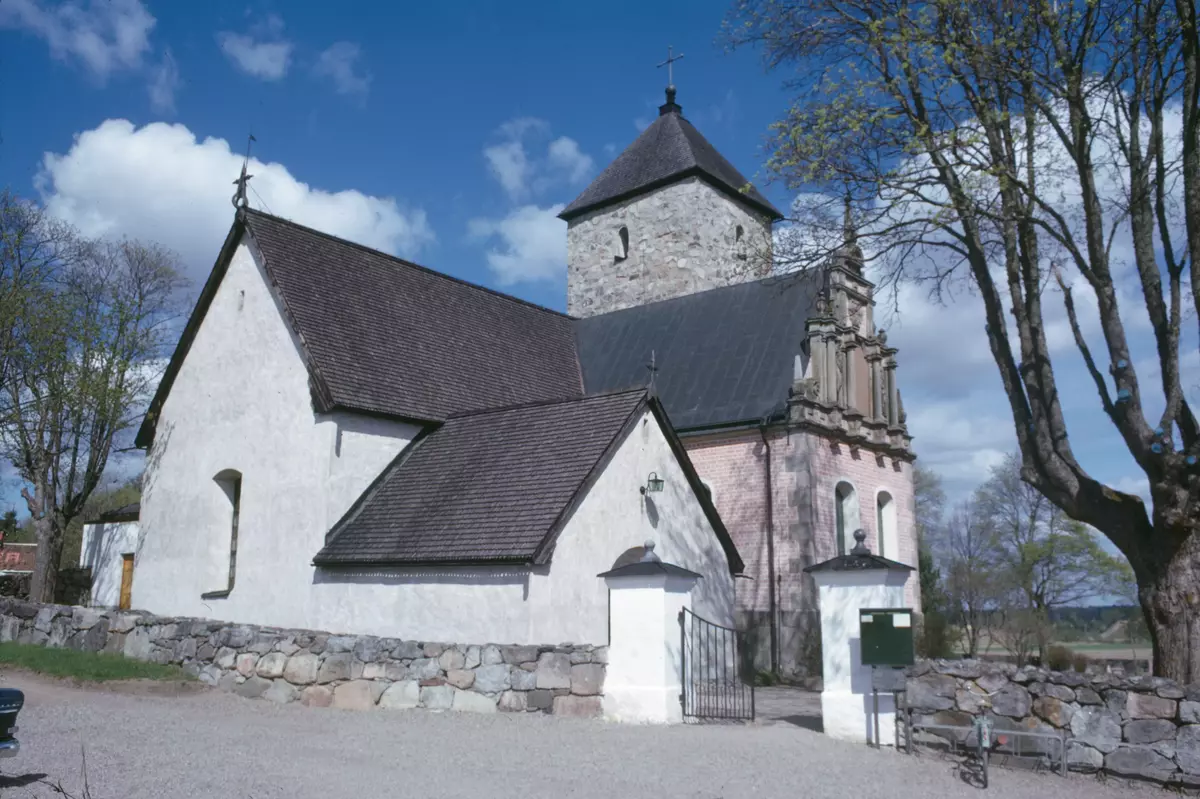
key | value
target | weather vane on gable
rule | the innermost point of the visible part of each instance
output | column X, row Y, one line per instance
column 239, row 196
column 670, row 65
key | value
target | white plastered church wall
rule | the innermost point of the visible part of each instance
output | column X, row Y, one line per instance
column 564, row 602
column 102, row 549
column 614, row 517
column 241, row 401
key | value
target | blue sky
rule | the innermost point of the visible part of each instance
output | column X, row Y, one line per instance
column 447, row 133
column 435, row 84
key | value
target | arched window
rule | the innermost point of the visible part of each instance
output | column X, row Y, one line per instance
column 621, row 246
column 885, row 526
column 229, row 482
column 846, row 514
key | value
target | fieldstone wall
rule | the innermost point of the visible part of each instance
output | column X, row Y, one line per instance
column 1143, row 727
column 318, row 669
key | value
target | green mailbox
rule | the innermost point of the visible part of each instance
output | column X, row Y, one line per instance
column 886, row 636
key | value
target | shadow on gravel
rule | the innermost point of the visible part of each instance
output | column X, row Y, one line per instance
column 7, row 781
column 970, row 771
column 813, row 723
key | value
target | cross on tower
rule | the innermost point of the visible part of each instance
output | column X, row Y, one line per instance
column 670, row 64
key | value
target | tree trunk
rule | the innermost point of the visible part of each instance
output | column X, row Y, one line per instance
column 1171, row 602
column 49, row 552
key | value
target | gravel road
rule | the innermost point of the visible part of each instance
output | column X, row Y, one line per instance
column 205, row 744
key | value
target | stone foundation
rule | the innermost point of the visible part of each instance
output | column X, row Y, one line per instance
column 318, row 669
column 1141, row 727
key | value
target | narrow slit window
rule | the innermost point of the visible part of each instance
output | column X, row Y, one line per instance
column 846, row 516
column 621, row 246
column 230, row 484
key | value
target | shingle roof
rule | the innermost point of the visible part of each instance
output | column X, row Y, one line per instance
column 724, row 356
column 496, row 486
column 383, row 335
column 483, row 487
column 388, row 336
column 670, row 150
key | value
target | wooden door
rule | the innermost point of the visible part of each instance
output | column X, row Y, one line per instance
column 126, row 580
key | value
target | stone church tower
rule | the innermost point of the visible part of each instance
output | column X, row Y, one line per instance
column 780, row 386
column 670, row 216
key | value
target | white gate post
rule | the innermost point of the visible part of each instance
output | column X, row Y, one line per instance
column 642, row 679
column 847, row 584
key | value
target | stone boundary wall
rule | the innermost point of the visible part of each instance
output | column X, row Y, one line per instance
column 318, row 669
column 1141, row 727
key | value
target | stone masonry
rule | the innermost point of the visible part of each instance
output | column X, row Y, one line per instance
column 804, row 466
column 1141, row 727
column 682, row 239
column 318, row 669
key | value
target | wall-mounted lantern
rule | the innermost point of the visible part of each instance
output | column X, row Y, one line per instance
column 653, row 485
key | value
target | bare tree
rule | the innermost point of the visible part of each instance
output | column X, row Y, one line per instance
column 1016, row 143
column 86, row 350
column 966, row 546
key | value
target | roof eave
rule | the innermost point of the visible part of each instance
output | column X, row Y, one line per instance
column 772, row 213
column 392, row 563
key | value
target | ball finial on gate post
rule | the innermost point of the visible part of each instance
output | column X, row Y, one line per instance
column 860, row 543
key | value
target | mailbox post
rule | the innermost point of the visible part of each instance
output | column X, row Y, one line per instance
column 851, row 587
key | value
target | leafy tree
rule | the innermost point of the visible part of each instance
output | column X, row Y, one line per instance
column 1043, row 560
column 8, row 524
column 85, row 350
column 1038, row 150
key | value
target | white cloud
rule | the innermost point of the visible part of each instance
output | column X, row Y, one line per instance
column 510, row 166
column 564, row 153
column 262, row 53
column 164, row 82
column 159, row 182
column 104, row 36
column 517, row 161
column 340, row 64
column 527, row 245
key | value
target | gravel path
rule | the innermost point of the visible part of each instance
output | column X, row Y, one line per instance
column 204, row 744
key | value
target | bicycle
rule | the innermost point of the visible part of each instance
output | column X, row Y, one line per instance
column 982, row 726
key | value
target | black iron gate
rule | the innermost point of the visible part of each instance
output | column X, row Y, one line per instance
column 713, row 686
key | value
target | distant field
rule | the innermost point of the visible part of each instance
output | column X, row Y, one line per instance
column 1094, row 649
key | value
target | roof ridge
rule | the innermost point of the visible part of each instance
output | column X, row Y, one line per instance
column 405, row 262
column 545, row 403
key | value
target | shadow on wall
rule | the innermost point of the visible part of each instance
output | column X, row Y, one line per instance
column 102, row 555
column 430, row 576
column 154, row 456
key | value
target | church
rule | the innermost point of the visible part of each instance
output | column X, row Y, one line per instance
column 347, row 441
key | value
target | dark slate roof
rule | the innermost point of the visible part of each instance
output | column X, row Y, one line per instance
column 388, row 336
column 383, row 335
column 494, row 486
column 668, row 151
column 724, row 356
